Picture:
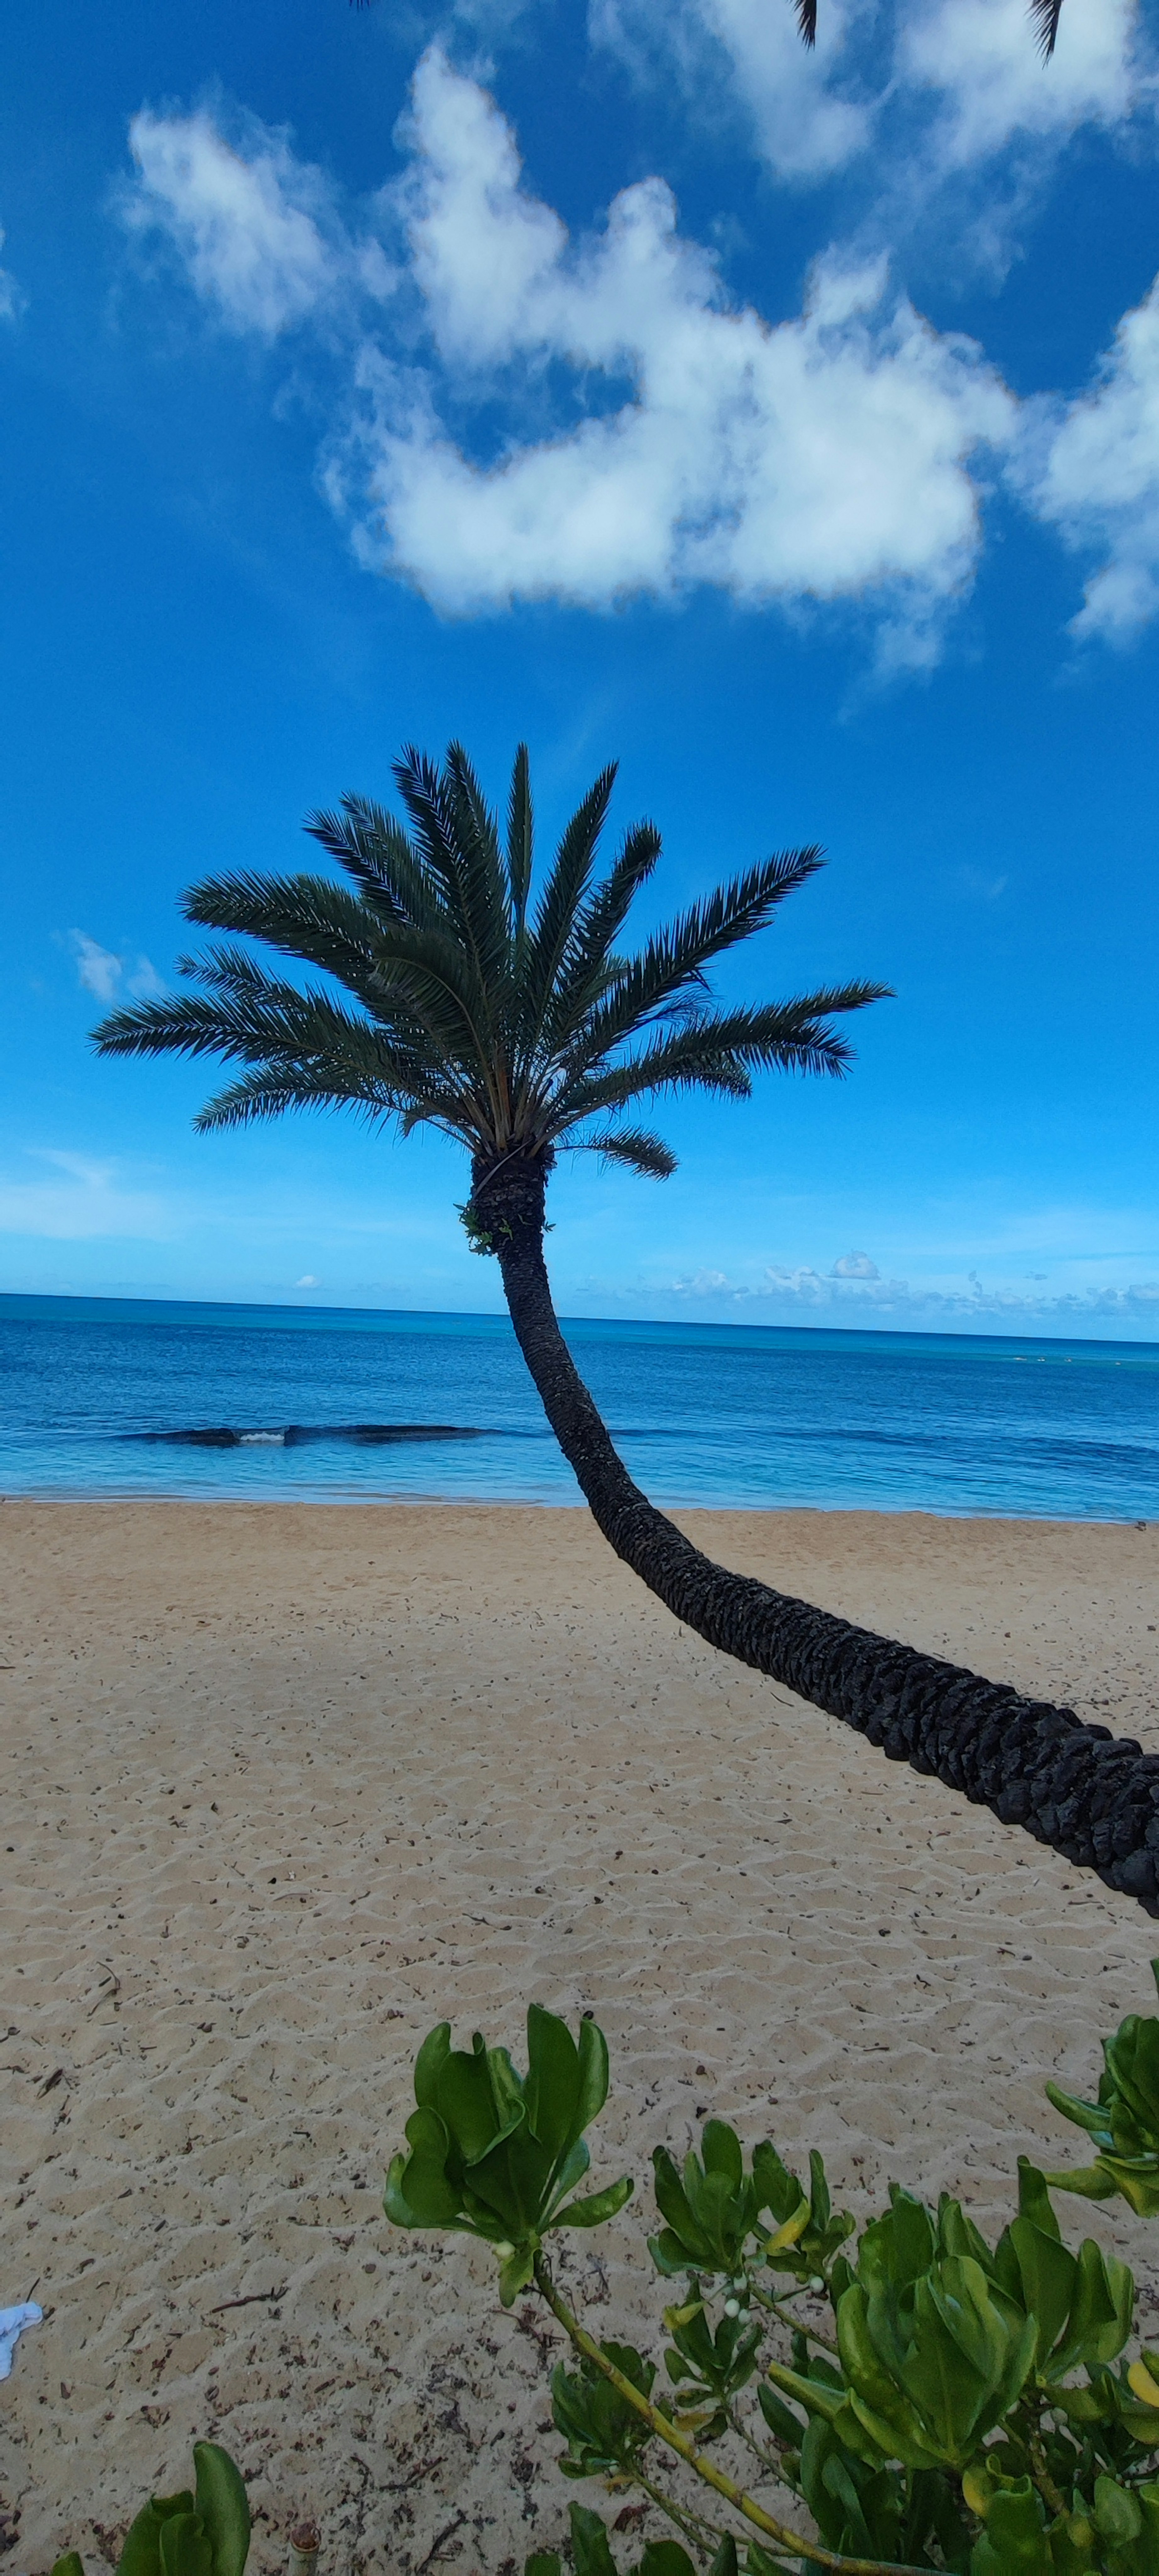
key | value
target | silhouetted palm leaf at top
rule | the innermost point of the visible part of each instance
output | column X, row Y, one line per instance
column 460, row 997
column 1043, row 15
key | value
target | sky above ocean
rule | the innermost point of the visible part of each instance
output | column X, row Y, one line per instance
column 786, row 427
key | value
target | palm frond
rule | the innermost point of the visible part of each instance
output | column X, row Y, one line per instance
column 456, row 837
column 805, row 13
column 633, row 1146
column 588, row 966
column 487, row 909
column 676, row 956
column 557, row 909
column 270, row 1091
column 520, row 837
column 1044, row 16
column 257, row 1022
column 304, row 916
column 720, row 1050
column 375, row 851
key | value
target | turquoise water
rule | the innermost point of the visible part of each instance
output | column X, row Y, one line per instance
column 342, row 1405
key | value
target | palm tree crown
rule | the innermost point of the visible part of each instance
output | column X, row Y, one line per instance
column 514, row 1026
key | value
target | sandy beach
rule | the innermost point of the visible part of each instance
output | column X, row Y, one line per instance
column 284, row 1785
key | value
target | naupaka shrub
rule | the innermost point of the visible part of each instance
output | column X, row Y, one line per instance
column 891, row 2391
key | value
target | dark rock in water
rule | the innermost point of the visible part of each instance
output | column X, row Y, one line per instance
column 295, row 1434
column 222, row 1438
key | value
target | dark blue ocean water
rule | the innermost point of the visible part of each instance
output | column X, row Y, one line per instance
column 703, row 1413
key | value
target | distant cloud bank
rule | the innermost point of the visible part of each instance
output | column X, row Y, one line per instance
column 859, row 1295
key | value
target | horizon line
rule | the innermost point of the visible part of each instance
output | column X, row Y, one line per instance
column 499, row 1315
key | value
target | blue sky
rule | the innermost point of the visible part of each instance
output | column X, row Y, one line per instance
column 630, row 381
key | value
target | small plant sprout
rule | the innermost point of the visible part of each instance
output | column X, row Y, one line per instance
column 498, row 2155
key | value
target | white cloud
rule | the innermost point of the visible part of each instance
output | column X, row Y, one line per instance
column 81, row 1200
column 939, row 89
column 654, row 435
column 255, row 227
column 947, row 1304
column 99, row 971
column 981, row 57
column 11, row 299
column 102, row 973
column 855, row 1265
column 822, row 457
column 804, row 127
column 1095, row 476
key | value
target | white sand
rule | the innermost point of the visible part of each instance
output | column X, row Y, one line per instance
column 284, row 1785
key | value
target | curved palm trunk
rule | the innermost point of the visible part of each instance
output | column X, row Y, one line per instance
column 1094, row 1797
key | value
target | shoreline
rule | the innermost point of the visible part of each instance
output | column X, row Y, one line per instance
column 130, row 1497
column 284, row 1786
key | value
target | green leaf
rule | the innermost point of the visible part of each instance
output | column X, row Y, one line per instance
column 596, row 2206
column 777, row 2189
column 1100, row 2316
column 542, row 2562
column 70, row 2565
column 604, row 2434
column 721, row 2152
column 466, row 2104
column 515, row 2273
column 818, row 2397
column 897, row 2248
column 553, row 2079
column 223, row 2506
column 819, row 2199
column 724, row 2563
column 1088, row 2182
column 141, row 2550
column 593, row 2075
column 669, row 2255
column 589, row 2543
column 672, row 2201
column 786, row 2427
column 429, row 2064
column 186, row 2548
column 419, row 2191
column 665, row 2558
column 1047, row 2278
column 1118, row 2516
column 1014, row 2542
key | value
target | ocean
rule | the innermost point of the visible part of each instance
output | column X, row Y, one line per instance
column 268, row 1403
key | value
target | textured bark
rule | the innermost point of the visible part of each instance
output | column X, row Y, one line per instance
column 1093, row 1796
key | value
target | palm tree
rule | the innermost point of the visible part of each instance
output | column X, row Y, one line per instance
column 521, row 1030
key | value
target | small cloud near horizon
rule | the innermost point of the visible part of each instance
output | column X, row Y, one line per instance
column 855, row 1265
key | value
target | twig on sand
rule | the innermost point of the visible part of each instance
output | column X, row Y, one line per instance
column 441, row 2542
column 253, row 2298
